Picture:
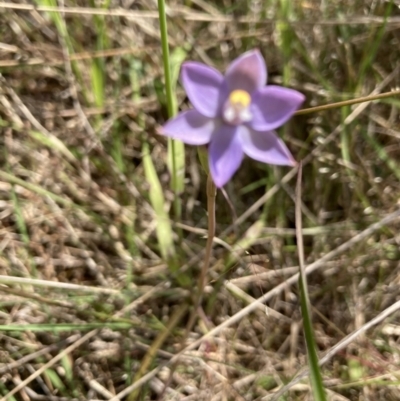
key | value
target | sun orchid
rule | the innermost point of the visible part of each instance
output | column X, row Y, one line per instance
column 235, row 114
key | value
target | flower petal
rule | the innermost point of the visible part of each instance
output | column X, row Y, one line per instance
column 248, row 72
column 203, row 87
column 190, row 127
column 272, row 106
column 225, row 154
column 265, row 147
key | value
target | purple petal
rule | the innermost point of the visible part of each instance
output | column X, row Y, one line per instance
column 190, row 127
column 248, row 72
column 265, row 147
column 203, row 87
column 225, row 154
column 272, row 106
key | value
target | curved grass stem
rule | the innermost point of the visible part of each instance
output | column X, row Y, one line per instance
column 349, row 102
column 315, row 373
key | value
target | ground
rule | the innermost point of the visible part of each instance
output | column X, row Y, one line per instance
column 100, row 252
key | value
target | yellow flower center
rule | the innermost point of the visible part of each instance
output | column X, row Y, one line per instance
column 236, row 109
column 240, row 98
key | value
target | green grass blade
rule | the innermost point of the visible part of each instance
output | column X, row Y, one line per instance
column 371, row 49
column 176, row 150
column 97, row 78
column 176, row 157
column 52, row 142
column 98, row 64
column 383, row 155
column 178, row 56
column 55, row 380
column 19, row 218
column 55, row 16
column 67, row 41
column 315, row 373
column 157, row 200
column 35, row 188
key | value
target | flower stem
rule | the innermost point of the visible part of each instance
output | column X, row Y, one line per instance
column 211, row 195
column 169, row 97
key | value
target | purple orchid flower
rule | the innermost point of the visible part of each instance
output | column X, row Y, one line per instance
column 235, row 114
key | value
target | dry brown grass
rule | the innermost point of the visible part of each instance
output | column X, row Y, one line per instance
column 84, row 292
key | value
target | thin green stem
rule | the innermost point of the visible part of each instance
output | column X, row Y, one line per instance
column 315, row 373
column 166, row 60
column 169, row 94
